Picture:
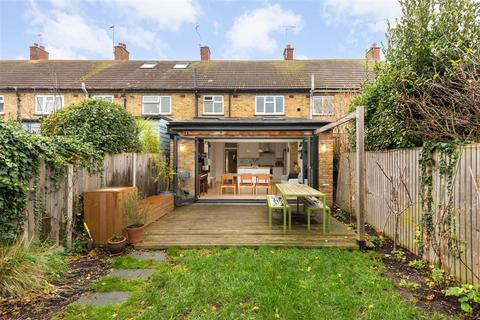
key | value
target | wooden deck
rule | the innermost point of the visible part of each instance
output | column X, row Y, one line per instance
column 201, row 225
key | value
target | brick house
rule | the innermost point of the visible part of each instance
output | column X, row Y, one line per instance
column 223, row 116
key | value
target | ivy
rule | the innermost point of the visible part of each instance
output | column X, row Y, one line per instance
column 445, row 228
column 20, row 156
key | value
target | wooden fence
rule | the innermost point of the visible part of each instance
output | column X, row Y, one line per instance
column 465, row 197
column 51, row 205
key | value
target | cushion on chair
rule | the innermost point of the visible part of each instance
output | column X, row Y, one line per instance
column 275, row 201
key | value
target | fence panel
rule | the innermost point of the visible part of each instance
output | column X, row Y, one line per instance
column 396, row 163
column 46, row 208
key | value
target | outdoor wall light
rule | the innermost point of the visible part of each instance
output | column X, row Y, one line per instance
column 323, row 147
column 181, row 147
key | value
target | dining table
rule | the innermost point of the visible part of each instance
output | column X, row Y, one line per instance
column 297, row 190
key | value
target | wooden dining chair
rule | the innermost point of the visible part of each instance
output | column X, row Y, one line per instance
column 263, row 182
column 228, row 181
column 247, row 181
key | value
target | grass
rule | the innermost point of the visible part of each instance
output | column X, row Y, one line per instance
column 127, row 262
column 28, row 268
column 264, row 283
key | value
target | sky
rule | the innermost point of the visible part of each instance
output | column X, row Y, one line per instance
column 174, row 29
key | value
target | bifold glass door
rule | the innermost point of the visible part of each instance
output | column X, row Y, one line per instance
column 309, row 154
column 185, row 163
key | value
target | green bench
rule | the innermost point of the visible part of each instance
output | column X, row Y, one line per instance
column 315, row 204
column 278, row 203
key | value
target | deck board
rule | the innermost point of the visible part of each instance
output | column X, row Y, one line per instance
column 202, row 225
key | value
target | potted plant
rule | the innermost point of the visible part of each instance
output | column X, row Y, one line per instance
column 165, row 174
column 116, row 244
column 136, row 217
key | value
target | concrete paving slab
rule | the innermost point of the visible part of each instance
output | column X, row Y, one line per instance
column 103, row 298
column 132, row 273
column 149, row 255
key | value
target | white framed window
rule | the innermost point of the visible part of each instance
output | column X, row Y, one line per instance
column 323, row 106
column 212, row 104
column 2, row 105
column 46, row 104
column 156, row 105
column 108, row 98
column 269, row 105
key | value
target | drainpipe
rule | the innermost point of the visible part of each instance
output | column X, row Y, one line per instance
column 196, row 104
column 196, row 91
column 17, row 94
column 124, row 95
column 230, row 104
column 84, row 89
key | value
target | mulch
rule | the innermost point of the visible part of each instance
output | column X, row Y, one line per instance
column 428, row 299
column 81, row 271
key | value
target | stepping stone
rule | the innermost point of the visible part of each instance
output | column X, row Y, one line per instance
column 103, row 298
column 148, row 255
column 132, row 273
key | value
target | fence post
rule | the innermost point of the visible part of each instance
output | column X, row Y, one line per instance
column 134, row 170
column 360, row 177
column 69, row 205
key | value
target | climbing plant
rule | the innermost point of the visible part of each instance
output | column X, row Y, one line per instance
column 438, row 229
column 20, row 155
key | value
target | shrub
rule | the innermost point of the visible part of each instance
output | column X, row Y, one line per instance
column 467, row 295
column 27, row 268
column 149, row 139
column 417, row 264
column 136, row 213
column 104, row 125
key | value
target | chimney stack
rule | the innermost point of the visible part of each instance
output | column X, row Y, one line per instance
column 288, row 53
column 121, row 52
column 374, row 52
column 204, row 53
column 38, row 52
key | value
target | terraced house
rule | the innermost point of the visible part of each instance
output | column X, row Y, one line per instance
column 224, row 118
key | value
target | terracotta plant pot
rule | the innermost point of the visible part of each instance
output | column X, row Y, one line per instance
column 135, row 234
column 117, row 247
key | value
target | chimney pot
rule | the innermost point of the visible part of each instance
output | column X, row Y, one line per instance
column 38, row 52
column 288, row 52
column 374, row 52
column 204, row 53
column 121, row 52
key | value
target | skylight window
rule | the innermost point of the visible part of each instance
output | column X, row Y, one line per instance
column 148, row 66
column 180, row 66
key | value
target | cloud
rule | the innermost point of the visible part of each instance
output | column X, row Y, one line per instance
column 216, row 27
column 64, row 33
column 253, row 31
column 301, row 57
column 372, row 13
column 166, row 14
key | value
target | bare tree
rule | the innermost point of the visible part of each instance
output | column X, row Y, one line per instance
column 397, row 206
column 447, row 107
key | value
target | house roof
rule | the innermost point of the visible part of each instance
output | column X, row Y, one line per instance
column 332, row 74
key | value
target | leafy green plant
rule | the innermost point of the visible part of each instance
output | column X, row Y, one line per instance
column 438, row 276
column 149, row 139
column 135, row 212
column 399, row 255
column 104, row 125
column 467, row 295
column 24, row 268
column 417, row 264
column 165, row 170
column 404, row 283
column 378, row 241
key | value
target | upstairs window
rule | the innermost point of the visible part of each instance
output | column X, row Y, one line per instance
column 46, row 104
column 213, row 105
column 269, row 105
column 323, row 106
column 2, row 105
column 104, row 97
column 156, row 105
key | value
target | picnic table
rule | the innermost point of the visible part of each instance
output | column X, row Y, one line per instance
column 291, row 190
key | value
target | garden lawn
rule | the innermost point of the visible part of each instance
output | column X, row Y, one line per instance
column 264, row 283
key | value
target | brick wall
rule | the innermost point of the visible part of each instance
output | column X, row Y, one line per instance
column 325, row 166
column 186, row 162
column 183, row 104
